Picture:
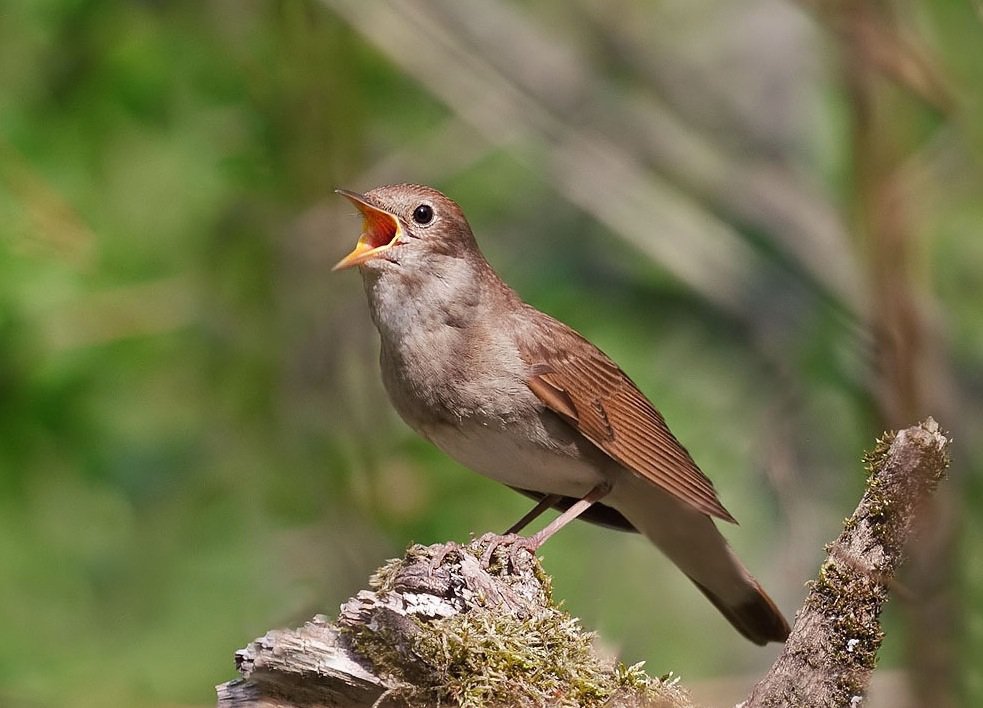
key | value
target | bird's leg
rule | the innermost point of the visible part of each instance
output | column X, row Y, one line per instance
column 545, row 503
column 575, row 510
column 532, row 543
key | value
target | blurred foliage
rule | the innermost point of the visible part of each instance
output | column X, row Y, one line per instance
column 194, row 444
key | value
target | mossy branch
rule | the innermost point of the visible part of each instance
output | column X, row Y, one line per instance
column 438, row 628
column 831, row 652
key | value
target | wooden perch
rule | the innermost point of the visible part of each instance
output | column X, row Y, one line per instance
column 831, row 651
column 438, row 628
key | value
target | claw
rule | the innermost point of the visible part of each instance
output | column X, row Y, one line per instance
column 521, row 544
column 495, row 541
column 441, row 552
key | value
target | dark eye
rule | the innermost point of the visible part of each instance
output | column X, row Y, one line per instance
column 423, row 214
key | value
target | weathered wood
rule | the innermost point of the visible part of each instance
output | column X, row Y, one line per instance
column 831, row 652
column 311, row 666
column 438, row 627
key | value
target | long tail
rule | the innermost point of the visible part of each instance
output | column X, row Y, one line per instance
column 693, row 543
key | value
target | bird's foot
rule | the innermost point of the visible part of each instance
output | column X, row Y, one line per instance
column 515, row 542
column 440, row 552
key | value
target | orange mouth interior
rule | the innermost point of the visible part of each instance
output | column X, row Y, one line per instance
column 380, row 232
column 378, row 228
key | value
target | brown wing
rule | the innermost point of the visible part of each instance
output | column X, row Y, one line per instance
column 590, row 392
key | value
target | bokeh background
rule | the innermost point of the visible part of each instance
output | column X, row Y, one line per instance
column 768, row 212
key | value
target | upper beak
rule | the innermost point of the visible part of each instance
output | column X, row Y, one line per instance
column 380, row 231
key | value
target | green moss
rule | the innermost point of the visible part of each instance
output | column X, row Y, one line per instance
column 483, row 658
column 873, row 458
column 487, row 657
column 384, row 578
column 877, row 507
column 858, row 636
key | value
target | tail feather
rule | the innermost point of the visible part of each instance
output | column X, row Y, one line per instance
column 692, row 541
column 757, row 618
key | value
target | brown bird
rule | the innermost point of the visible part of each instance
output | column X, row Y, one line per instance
column 520, row 397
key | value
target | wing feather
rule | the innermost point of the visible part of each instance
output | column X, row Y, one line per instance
column 592, row 394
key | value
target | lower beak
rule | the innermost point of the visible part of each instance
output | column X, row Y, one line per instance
column 362, row 252
column 380, row 232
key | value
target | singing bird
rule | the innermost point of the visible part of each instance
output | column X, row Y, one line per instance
column 523, row 399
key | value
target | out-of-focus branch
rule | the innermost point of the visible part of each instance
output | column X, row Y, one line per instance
column 582, row 162
column 725, row 156
column 150, row 308
column 56, row 227
column 912, row 372
column 831, row 652
column 891, row 51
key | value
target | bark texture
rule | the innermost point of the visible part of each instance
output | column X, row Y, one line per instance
column 831, row 652
column 439, row 628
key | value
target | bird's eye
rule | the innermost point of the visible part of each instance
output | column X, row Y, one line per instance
column 423, row 214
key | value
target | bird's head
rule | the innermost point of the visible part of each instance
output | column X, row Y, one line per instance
column 406, row 225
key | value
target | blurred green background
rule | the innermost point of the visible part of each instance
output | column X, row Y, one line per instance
column 768, row 212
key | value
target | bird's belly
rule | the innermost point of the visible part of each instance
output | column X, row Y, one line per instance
column 501, row 456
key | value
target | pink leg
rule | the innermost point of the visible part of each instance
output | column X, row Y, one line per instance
column 596, row 494
column 533, row 543
column 544, row 504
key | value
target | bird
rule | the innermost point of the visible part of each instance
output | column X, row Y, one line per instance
column 521, row 398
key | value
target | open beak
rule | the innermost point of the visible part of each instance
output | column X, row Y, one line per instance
column 380, row 232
